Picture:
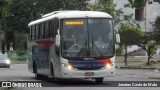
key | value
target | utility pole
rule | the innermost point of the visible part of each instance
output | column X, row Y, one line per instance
column 145, row 13
column 145, row 24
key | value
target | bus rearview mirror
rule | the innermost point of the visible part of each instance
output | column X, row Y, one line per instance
column 117, row 38
column 57, row 40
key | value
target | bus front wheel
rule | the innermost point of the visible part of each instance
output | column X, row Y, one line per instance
column 52, row 73
column 99, row 80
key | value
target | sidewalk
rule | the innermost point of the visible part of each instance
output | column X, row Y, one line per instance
column 137, row 63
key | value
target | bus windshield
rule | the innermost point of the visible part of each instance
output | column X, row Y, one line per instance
column 87, row 38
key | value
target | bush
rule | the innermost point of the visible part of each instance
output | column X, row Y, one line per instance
column 17, row 55
column 118, row 51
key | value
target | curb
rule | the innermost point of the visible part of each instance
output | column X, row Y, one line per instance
column 132, row 67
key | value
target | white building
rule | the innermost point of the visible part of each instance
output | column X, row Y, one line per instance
column 152, row 11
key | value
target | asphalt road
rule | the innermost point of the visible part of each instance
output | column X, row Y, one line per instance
column 19, row 72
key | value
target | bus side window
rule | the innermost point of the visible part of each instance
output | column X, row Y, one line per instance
column 41, row 31
column 33, row 33
column 56, row 26
column 30, row 33
column 46, row 29
column 37, row 31
column 49, row 31
column 52, row 32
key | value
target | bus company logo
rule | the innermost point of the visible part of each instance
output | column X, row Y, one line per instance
column 6, row 84
column 87, row 65
column 89, row 59
column 78, row 65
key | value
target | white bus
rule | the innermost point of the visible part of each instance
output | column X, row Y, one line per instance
column 72, row 44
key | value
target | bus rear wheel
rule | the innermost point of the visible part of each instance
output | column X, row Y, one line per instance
column 37, row 76
column 99, row 80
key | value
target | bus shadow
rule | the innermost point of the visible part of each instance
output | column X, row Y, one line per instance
column 76, row 83
column 73, row 82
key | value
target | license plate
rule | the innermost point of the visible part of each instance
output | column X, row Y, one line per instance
column 89, row 74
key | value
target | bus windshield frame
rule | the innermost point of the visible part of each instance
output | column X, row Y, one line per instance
column 87, row 38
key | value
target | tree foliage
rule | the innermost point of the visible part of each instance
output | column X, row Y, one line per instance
column 118, row 17
column 136, row 3
column 140, row 3
column 104, row 6
column 54, row 5
column 4, row 9
column 129, row 33
column 147, row 43
column 24, row 11
column 20, row 43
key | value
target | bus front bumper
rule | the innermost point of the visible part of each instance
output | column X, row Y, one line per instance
column 65, row 73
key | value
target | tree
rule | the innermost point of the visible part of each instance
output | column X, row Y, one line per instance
column 147, row 43
column 24, row 11
column 4, row 4
column 19, row 16
column 20, row 43
column 149, row 39
column 144, row 40
column 129, row 33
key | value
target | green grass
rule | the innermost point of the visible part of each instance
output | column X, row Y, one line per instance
column 136, row 62
column 18, row 61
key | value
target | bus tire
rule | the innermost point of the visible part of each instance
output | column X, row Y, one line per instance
column 52, row 73
column 99, row 80
column 37, row 76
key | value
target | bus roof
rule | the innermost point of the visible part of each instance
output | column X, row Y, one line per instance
column 71, row 14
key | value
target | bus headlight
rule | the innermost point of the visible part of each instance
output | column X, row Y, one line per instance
column 68, row 66
column 107, row 66
column 8, row 61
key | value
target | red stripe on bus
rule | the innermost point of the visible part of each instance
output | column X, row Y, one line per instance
column 45, row 43
column 104, row 61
